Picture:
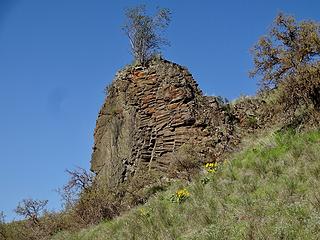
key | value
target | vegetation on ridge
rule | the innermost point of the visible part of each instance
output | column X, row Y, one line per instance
column 267, row 191
column 270, row 190
column 288, row 58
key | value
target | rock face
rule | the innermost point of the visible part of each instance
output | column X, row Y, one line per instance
column 149, row 113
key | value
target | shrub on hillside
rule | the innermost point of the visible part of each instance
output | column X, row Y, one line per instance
column 142, row 185
column 185, row 162
column 86, row 202
column 288, row 59
column 94, row 205
column 303, row 88
column 31, row 209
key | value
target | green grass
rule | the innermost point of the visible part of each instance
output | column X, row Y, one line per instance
column 270, row 190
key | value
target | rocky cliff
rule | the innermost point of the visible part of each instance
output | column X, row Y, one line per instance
column 149, row 117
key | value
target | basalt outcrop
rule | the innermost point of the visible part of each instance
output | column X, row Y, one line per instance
column 150, row 112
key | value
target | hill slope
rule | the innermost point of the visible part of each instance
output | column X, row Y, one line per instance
column 269, row 190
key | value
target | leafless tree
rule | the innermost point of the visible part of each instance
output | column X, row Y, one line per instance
column 145, row 32
column 79, row 180
column 31, row 209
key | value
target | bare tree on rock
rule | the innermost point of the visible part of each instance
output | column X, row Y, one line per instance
column 145, row 32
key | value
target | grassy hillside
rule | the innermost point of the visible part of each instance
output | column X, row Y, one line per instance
column 270, row 190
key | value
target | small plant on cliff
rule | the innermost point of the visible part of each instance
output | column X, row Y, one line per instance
column 145, row 32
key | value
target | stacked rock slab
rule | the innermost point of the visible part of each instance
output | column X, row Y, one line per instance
column 149, row 113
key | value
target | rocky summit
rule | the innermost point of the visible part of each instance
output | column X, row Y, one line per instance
column 151, row 113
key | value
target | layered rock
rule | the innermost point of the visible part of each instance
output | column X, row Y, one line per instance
column 149, row 113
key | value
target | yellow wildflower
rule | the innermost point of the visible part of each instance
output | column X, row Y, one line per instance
column 211, row 167
column 182, row 195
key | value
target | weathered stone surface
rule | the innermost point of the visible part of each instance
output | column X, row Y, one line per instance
column 151, row 112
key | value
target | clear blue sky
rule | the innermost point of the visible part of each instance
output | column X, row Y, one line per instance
column 57, row 56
